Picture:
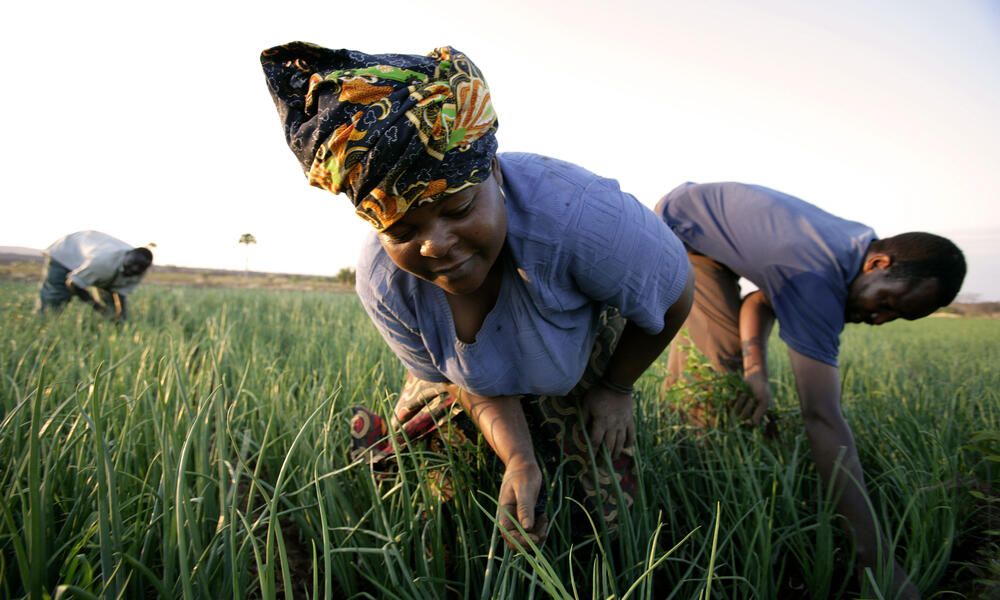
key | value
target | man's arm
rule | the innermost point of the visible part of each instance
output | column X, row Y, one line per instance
column 609, row 412
column 837, row 461
column 120, row 304
column 502, row 423
column 84, row 295
column 756, row 321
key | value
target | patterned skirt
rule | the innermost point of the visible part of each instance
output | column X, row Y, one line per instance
column 430, row 414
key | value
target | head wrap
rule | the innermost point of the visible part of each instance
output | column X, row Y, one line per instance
column 392, row 131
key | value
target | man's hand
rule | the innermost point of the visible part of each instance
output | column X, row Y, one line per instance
column 84, row 295
column 902, row 586
column 837, row 462
column 522, row 480
column 610, row 418
column 751, row 407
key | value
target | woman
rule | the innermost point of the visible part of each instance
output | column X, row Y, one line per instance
column 527, row 290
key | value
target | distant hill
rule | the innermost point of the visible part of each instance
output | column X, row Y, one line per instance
column 10, row 254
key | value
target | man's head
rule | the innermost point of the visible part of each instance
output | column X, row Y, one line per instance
column 909, row 275
column 137, row 260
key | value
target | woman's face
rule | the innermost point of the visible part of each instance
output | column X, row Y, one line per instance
column 454, row 241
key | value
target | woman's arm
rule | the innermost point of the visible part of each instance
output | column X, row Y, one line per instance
column 502, row 423
column 609, row 411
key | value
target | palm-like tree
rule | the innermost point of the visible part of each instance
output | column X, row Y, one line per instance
column 246, row 239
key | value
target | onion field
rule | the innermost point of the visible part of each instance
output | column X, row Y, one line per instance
column 201, row 450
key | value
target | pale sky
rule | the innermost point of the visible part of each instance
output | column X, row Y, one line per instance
column 152, row 122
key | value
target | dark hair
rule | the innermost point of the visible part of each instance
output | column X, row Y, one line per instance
column 144, row 252
column 919, row 255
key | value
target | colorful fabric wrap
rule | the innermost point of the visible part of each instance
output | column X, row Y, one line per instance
column 392, row 131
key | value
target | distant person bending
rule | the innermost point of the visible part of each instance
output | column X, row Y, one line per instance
column 522, row 291
column 91, row 259
column 815, row 272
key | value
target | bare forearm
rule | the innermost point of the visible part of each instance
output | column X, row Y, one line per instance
column 82, row 293
column 608, row 409
column 833, row 448
column 502, row 423
column 836, row 457
column 120, row 305
column 636, row 349
column 756, row 321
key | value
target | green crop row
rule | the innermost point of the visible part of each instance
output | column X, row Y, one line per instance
column 201, row 450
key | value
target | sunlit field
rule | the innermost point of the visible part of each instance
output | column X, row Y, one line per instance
column 201, row 450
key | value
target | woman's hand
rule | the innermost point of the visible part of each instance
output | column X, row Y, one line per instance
column 522, row 480
column 610, row 418
column 502, row 422
column 609, row 414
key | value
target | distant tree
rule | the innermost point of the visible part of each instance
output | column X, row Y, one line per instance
column 246, row 239
column 151, row 245
column 347, row 276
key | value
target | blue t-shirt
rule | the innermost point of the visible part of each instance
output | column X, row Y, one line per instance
column 575, row 244
column 801, row 257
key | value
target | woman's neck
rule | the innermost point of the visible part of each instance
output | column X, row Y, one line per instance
column 468, row 311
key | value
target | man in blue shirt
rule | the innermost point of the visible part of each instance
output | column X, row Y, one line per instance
column 814, row 273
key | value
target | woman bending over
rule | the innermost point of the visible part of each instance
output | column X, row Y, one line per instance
column 520, row 291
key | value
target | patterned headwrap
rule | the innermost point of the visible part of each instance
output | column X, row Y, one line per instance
column 392, row 131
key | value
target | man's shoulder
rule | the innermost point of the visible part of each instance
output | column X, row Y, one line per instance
column 97, row 238
column 726, row 194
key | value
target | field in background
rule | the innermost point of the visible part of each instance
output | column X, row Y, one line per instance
column 201, row 450
column 18, row 268
column 28, row 268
